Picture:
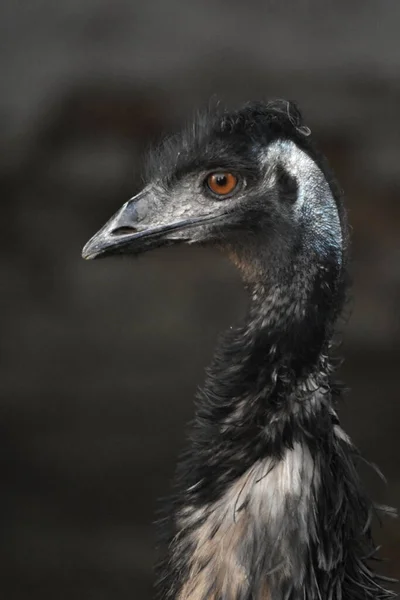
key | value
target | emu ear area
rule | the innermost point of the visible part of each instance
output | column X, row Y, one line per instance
column 287, row 185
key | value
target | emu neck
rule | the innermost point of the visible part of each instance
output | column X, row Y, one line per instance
column 268, row 502
column 267, row 375
column 284, row 336
column 245, row 486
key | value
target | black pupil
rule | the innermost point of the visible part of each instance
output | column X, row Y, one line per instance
column 221, row 180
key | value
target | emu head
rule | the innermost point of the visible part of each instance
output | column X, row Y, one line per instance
column 251, row 183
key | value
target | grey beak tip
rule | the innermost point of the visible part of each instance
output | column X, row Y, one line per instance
column 89, row 256
column 88, row 252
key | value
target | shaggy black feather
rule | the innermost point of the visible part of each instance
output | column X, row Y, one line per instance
column 256, row 401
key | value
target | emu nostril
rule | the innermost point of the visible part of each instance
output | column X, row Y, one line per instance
column 124, row 231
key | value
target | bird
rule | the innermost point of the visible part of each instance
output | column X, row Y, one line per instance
column 267, row 501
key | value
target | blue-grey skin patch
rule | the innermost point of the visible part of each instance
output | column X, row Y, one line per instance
column 315, row 205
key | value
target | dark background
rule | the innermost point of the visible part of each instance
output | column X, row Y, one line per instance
column 100, row 361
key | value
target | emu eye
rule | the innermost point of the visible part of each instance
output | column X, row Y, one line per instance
column 222, row 183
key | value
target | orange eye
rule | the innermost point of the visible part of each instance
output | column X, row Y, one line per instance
column 222, row 183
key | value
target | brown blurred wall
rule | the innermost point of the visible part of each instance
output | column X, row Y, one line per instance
column 100, row 361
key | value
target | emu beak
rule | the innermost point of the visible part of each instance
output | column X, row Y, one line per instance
column 140, row 225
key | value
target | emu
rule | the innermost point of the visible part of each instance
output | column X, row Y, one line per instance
column 267, row 503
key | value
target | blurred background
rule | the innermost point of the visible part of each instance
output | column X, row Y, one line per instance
column 100, row 361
